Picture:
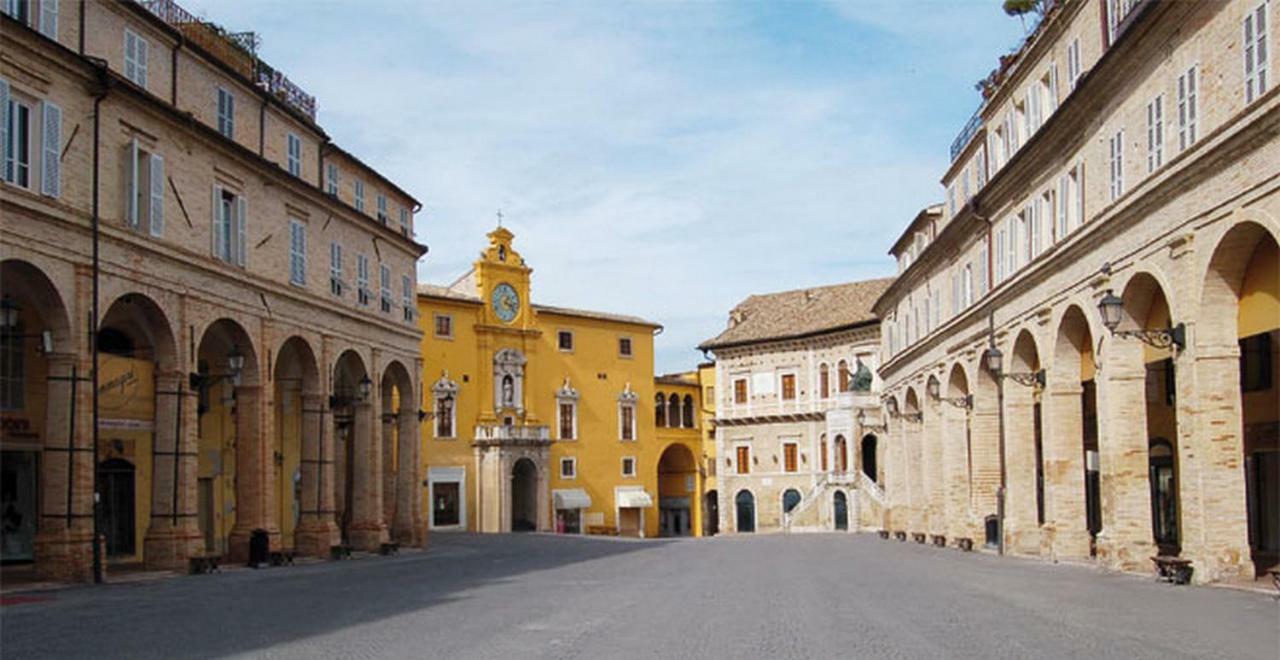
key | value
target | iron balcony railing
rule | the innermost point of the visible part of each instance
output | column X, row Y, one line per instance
column 970, row 129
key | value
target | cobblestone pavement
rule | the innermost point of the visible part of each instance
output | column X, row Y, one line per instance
column 810, row 596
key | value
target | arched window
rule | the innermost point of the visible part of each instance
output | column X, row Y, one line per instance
column 844, row 376
column 842, row 454
column 824, row 381
column 673, row 411
column 660, row 410
column 790, row 500
column 688, row 411
column 822, row 452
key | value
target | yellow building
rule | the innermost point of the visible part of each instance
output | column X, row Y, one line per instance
column 541, row 417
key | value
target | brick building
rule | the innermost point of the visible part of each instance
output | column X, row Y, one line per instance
column 1082, row 339
column 253, row 299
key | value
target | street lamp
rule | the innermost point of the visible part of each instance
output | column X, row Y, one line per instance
column 1111, row 308
column 366, row 386
column 10, row 314
column 993, row 360
column 235, row 364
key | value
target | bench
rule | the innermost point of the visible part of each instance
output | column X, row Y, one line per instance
column 204, row 563
column 884, row 533
column 339, row 552
column 389, row 548
column 1172, row 569
column 965, row 543
column 602, row 530
column 918, row 537
column 939, row 541
column 282, row 558
column 900, row 535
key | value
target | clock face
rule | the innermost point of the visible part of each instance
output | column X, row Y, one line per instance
column 506, row 302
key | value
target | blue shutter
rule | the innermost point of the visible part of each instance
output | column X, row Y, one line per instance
column 50, row 162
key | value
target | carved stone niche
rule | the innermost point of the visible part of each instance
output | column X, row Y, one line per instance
column 508, row 381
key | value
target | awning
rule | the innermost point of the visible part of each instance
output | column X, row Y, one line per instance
column 571, row 498
column 634, row 499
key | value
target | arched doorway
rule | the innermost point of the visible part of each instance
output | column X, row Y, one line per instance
column 710, row 514
column 401, row 501
column 745, row 512
column 677, row 488
column 117, row 507
column 790, row 500
column 840, row 509
column 524, row 496
column 869, row 456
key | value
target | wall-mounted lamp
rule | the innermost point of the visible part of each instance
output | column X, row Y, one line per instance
column 1111, row 308
column 366, row 387
column 235, row 369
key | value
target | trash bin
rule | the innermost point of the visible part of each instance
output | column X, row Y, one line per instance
column 259, row 548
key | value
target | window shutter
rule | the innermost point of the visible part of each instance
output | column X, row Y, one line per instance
column 242, row 220
column 130, row 56
column 49, row 18
column 51, row 163
column 131, row 185
column 143, row 45
column 157, row 196
column 217, row 222
column 1053, row 87
column 4, row 119
column 1064, row 195
column 302, row 247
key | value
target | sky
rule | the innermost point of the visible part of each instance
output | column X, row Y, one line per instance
column 656, row 158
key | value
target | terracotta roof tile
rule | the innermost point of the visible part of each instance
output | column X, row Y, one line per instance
column 800, row 313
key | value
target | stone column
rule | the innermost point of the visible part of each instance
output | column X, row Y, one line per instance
column 1215, row 533
column 389, row 447
column 914, row 477
column 933, row 448
column 1125, row 541
column 1066, row 521
column 984, row 440
column 895, row 476
column 317, row 531
column 1021, row 527
column 367, row 530
column 955, row 466
column 409, row 527
column 255, row 467
column 174, row 532
column 63, row 550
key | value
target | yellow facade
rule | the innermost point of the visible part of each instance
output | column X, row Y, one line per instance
column 497, row 371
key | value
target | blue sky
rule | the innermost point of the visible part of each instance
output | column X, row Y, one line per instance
column 657, row 158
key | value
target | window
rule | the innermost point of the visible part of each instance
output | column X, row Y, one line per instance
column 135, row 58
column 688, row 412
column 406, row 298
column 568, row 420
column 955, row 293
column 968, row 284
column 788, row 387
column 824, row 381
column 17, row 139
column 1018, row 127
column 335, row 269
column 144, row 190
column 624, row 346
column 12, row 368
column 951, row 201
column 226, row 113
column 384, row 273
column 1035, row 238
column 564, row 340
column 982, row 270
column 789, row 453
column 627, row 421
column 383, row 217
column 1116, row 161
column 359, row 195
column 294, row 156
column 982, row 166
column 1256, row 57
column 842, row 376
column 1033, row 108
column 999, row 253
column 446, row 410
column 1012, row 256
column 740, row 390
column 362, row 280
column 297, row 253
column 744, row 460
column 444, row 326
column 1255, row 363
column 230, row 217
column 1073, row 63
column 568, row 468
column 964, row 186
column 628, row 466
column 405, row 225
column 331, row 179
column 1187, row 110
column 1155, row 134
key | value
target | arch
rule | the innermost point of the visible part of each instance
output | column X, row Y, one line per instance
column 1222, row 285
column 868, row 448
column 296, row 381
column 824, row 381
column 911, row 402
column 840, row 510
column 744, row 507
column 677, row 490
column 1072, row 446
column 660, row 409
column 1024, row 445
column 790, row 500
column 24, row 285
column 524, row 496
column 673, row 411
column 689, row 417
column 216, row 344
column 140, row 329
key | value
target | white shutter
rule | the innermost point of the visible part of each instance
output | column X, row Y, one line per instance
column 242, row 219
column 130, row 56
column 51, row 163
column 1064, row 199
column 143, row 46
column 4, row 123
column 131, row 211
column 217, row 222
column 156, row 207
column 49, row 18
column 1053, row 87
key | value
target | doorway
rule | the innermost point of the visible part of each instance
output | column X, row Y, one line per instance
column 840, row 503
column 745, row 505
column 116, row 480
column 524, row 496
column 445, row 510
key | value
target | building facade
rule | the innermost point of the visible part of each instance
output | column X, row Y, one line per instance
column 793, row 415
column 1080, row 347
column 543, row 417
column 171, row 206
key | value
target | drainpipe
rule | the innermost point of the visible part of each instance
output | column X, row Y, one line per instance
column 262, row 126
column 103, row 88
column 173, row 70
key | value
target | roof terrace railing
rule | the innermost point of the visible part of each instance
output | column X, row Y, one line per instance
column 966, row 134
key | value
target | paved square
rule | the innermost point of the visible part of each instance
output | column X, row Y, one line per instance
column 811, row 596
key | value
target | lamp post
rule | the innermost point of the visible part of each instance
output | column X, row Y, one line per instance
column 993, row 360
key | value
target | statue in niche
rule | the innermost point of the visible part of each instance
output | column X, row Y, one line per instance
column 861, row 377
column 508, row 391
